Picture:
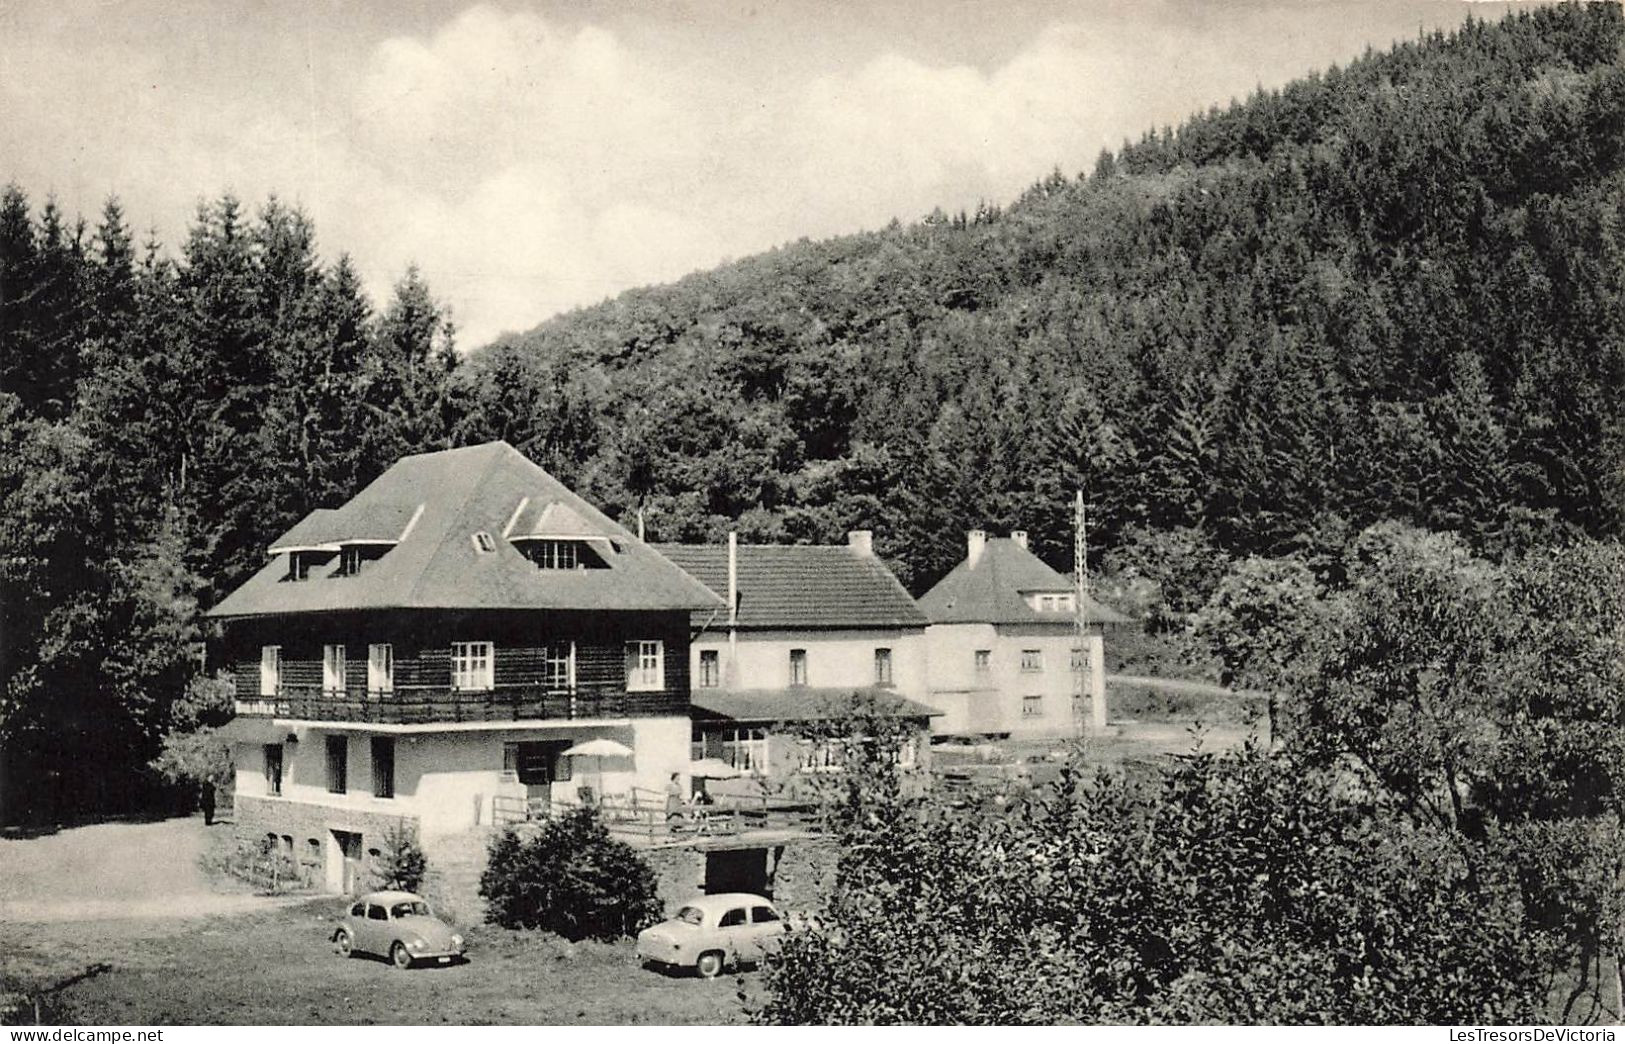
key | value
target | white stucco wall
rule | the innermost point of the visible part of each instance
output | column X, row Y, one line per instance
column 994, row 701
column 447, row 779
column 835, row 659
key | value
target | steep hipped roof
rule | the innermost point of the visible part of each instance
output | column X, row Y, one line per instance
column 552, row 521
column 803, row 704
column 802, row 585
column 436, row 564
column 355, row 523
column 993, row 589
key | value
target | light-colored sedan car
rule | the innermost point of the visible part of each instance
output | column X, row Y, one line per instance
column 712, row 932
column 397, row 925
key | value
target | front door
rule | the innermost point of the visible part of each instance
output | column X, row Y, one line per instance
column 539, row 766
column 344, row 868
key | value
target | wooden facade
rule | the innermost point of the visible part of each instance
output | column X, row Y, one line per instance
column 421, row 643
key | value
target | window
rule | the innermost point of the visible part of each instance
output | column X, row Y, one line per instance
column 1032, row 706
column 338, row 764
column 333, row 668
column 1077, row 661
column 383, row 767
column 904, row 758
column 471, row 666
column 273, row 769
column 823, row 756
column 1032, row 660
column 381, row 668
column 270, row 669
column 645, row 666
column 798, row 666
column 1051, row 603
column 554, row 554
column 763, row 915
column 882, row 666
column 536, row 763
column 484, row 543
column 349, row 561
column 745, row 749
column 299, row 563
column 984, row 661
column 559, row 670
column 710, row 669
column 358, row 910
column 376, row 912
column 732, row 919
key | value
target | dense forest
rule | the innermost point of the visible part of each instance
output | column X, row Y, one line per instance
column 1391, row 291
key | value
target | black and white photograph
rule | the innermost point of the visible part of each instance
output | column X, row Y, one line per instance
column 762, row 513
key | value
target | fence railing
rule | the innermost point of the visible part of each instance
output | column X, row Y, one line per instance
column 414, row 705
column 642, row 814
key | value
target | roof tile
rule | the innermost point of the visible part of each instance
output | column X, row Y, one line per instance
column 993, row 589
column 803, row 585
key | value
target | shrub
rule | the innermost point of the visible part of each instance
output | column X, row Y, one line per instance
column 401, row 862
column 1237, row 889
column 570, row 878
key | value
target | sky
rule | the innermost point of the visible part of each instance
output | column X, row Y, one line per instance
column 531, row 157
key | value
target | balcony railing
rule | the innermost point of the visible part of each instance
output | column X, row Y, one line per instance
column 424, row 705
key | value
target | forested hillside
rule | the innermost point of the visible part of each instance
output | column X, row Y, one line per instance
column 1394, row 290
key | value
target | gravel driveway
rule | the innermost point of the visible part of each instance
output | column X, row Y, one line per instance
column 114, row 871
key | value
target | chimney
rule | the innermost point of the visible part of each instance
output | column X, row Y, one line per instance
column 975, row 541
column 1019, row 536
column 862, row 541
column 730, row 670
column 733, row 578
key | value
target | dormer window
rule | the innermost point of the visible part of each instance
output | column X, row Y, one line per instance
column 301, row 562
column 550, row 553
column 354, row 558
column 1052, row 602
column 554, row 554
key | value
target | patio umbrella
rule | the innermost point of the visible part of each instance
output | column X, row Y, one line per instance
column 598, row 750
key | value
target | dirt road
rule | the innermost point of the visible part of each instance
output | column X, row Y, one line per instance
column 118, row 871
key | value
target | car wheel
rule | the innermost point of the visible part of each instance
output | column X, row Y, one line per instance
column 710, row 964
column 400, row 955
column 343, row 944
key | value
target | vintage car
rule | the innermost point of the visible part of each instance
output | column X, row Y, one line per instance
column 712, row 932
column 399, row 926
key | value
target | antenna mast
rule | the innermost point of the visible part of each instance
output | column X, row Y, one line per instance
column 1080, row 572
column 1091, row 689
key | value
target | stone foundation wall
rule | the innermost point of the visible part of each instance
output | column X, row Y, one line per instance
column 800, row 878
column 805, row 875
column 297, row 824
column 679, row 874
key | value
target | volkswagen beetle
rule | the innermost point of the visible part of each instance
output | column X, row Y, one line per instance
column 399, row 926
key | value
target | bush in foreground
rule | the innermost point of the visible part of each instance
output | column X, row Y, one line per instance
column 1241, row 889
column 570, row 878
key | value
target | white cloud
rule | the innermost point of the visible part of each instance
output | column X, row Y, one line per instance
column 529, row 164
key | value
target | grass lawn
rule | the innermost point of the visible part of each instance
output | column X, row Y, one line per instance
column 275, row 967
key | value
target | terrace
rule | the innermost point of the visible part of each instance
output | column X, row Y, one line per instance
column 441, row 704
